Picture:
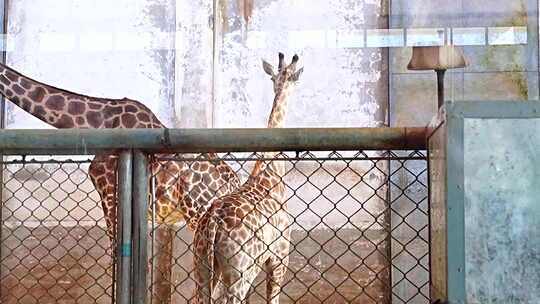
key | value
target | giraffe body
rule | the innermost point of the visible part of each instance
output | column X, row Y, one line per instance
column 248, row 230
column 182, row 194
column 244, row 232
column 185, row 190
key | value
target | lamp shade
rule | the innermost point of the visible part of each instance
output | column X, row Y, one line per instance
column 436, row 58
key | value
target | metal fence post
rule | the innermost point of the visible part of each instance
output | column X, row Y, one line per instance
column 123, row 252
column 140, row 226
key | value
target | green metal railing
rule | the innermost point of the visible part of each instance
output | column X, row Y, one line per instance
column 104, row 141
column 134, row 145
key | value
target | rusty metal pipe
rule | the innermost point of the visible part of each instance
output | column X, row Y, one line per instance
column 210, row 140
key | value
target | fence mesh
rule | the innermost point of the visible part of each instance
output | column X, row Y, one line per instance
column 359, row 231
column 53, row 242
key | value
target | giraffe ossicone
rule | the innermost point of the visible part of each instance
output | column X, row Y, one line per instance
column 249, row 229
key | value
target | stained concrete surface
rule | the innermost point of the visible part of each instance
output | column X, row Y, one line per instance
column 67, row 265
column 326, row 266
column 54, row 264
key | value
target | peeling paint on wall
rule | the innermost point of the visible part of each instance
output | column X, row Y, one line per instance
column 160, row 15
column 243, row 8
column 496, row 72
column 193, row 60
column 223, row 13
column 348, row 79
column 100, row 62
column 510, row 58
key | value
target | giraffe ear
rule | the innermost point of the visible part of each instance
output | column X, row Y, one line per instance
column 296, row 76
column 268, row 68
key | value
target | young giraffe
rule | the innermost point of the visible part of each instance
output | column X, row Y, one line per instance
column 249, row 229
column 67, row 110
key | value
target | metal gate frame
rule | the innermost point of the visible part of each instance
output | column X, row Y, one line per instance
column 134, row 144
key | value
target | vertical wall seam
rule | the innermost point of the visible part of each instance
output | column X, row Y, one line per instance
column 175, row 119
column 214, row 61
column 4, row 13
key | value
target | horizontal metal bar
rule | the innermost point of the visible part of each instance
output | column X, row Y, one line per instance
column 291, row 159
column 104, row 141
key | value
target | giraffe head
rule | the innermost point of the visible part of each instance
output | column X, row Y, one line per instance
column 286, row 75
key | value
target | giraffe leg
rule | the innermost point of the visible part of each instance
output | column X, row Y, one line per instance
column 276, row 268
column 238, row 284
column 102, row 172
column 205, row 270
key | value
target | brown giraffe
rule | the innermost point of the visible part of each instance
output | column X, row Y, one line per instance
column 189, row 188
column 248, row 230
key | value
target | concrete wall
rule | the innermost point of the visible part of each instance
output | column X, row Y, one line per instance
column 496, row 71
column 340, row 85
column 96, row 48
column 164, row 53
column 167, row 55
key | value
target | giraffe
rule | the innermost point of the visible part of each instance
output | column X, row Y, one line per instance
column 249, row 230
column 67, row 110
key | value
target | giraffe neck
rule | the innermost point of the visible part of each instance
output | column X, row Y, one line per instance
column 276, row 120
column 67, row 110
column 279, row 108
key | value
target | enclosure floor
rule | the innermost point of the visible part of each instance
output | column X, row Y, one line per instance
column 326, row 266
column 67, row 265
column 54, row 265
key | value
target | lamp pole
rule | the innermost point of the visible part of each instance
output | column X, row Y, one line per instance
column 440, row 87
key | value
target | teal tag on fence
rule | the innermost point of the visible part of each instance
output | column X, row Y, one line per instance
column 126, row 250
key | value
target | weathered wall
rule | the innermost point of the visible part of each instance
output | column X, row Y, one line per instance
column 161, row 53
column 340, row 85
column 165, row 54
column 195, row 77
column 194, row 97
column 100, row 48
column 495, row 71
column 97, row 48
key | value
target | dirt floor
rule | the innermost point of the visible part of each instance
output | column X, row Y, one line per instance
column 54, row 265
column 325, row 267
column 67, row 265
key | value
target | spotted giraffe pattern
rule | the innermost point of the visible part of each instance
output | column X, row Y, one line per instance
column 185, row 190
column 248, row 230
column 67, row 110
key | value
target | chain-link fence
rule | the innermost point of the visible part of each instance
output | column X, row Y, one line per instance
column 54, row 248
column 359, row 228
column 356, row 222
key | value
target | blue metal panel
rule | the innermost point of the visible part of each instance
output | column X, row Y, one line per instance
column 495, row 109
column 454, row 204
column 477, row 274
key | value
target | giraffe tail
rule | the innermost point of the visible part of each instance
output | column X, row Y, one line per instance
column 205, row 273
